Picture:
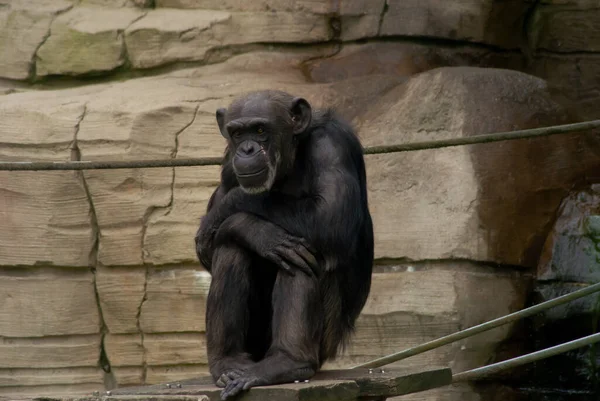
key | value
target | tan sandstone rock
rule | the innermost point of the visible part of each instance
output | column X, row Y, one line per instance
column 118, row 3
column 50, row 303
column 24, row 26
column 124, row 349
column 176, row 300
column 86, row 40
column 240, row 5
column 124, row 123
column 128, row 376
column 37, row 377
column 50, row 352
column 121, row 292
column 165, row 35
column 45, row 216
column 165, row 374
column 465, row 202
column 411, row 304
column 570, row 27
column 571, row 252
column 489, row 21
column 175, row 349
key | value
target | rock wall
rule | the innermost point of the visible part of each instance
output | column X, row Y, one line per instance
column 99, row 284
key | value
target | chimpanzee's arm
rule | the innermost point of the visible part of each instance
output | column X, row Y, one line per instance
column 206, row 232
column 258, row 235
column 328, row 219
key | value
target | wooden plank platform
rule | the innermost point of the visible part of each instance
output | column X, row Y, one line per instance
column 329, row 385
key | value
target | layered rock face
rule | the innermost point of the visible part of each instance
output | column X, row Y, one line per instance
column 99, row 283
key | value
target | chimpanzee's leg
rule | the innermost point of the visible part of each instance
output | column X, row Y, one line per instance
column 297, row 333
column 228, row 313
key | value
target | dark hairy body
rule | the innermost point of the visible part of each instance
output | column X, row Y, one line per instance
column 288, row 240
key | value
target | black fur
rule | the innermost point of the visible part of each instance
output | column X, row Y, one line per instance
column 290, row 259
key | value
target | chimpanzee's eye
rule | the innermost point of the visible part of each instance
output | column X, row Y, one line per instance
column 260, row 130
column 236, row 134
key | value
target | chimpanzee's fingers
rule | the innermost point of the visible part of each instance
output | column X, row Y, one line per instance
column 251, row 383
column 294, row 258
column 233, row 388
column 308, row 246
column 276, row 258
column 234, row 374
column 287, row 268
column 222, row 381
column 308, row 257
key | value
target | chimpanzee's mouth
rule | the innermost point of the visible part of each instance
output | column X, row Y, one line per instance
column 253, row 174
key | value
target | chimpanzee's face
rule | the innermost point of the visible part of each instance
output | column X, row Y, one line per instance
column 261, row 132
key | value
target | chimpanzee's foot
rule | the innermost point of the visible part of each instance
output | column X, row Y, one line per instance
column 230, row 368
column 276, row 369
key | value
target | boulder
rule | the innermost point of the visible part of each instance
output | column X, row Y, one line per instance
column 468, row 201
column 572, row 26
column 571, row 252
column 86, row 40
column 493, row 22
column 389, row 59
column 396, row 318
column 24, row 27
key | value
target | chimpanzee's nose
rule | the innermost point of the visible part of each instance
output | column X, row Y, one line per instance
column 247, row 148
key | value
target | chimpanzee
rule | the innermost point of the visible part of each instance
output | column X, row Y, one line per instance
column 288, row 240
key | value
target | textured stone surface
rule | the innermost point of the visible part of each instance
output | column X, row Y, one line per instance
column 168, row 35
column 47, row 223
column 164, row 374
column 50, row 352
column 128, row 376
column 124, row 349
column 402, row 59
column 36, row 377
column 494, row 22
column 85, row 40
column 23, row 28
column 120, row 292
column 395, row 318
column 452, row 202
column 286, row 27
column 571, row 252
column 237, row 5
column 165, row 35
column 176, row 299
column 48, row 303
column 572, row 27
column 120, row 123
column 175, row 349
column 576, row 370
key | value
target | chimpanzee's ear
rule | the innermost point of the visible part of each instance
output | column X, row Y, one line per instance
column 301, row 115
column 221, row 121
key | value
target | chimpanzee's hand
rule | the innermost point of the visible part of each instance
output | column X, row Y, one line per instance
column 287, row 250
column 269, row 241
